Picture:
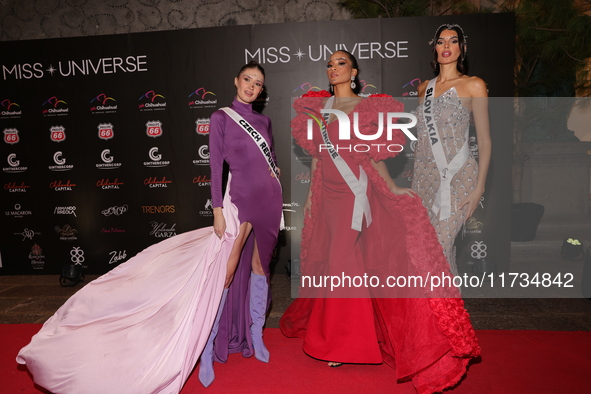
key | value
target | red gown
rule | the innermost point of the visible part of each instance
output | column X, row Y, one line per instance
column 428, row 340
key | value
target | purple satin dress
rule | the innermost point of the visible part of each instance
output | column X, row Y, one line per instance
column 257, row 195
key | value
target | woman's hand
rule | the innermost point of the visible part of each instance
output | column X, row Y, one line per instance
column 308, row 207
column 400, row 191
column 471, row 202
column 219, row 222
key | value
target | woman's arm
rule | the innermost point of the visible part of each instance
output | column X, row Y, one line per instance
column 216, row 164
column 380, row 166
column 308, row 203
column 477, row 90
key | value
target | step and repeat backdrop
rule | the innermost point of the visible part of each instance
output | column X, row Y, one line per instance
column 105, row 138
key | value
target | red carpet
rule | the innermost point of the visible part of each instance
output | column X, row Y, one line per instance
column 512, row 362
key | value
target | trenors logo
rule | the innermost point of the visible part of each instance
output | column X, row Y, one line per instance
column 410, row 88
column 11, row 136
column 10, row 109
column 57, row 133
column 54, row 106
column 154, row 128
column 103, row 103
column 152, row 101
column 105, row 131
column 345, row 130
column 202, row 126
column 202, row 98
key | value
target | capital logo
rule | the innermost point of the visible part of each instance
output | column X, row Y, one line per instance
column 108, row 161
column 8, row 109
column 156, row 158
column 151, row 101
column 154, row 182
column 202, row 98
column 154, row 128
column 410, row 89
column 105, row 131
column 202, row 126
column 107, row 184
column 14, row 187
column 306, row 87
column 11, row 136
column 303, row 177
column 13, row 165
column 203, row 152
column 57, row 133
column 54, row 106
column 202, row 180
column 60, row 186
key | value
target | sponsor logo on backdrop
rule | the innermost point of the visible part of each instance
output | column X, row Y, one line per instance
column 108, row 184
column 60, row 163
column 202, row 180
column 18, row 212
column 472, row 226
column 203, row 152
column 409, row 149
column 54, row 106
column 77, row 256
column 154, row 128
column 305, row 88
column 323, row 52
column 156, row 159
column 112, row 230
column 410, row 88
column 473, row 145
column 303, row 177
column 103, row 104
column 478, row 250
column 152, row 101
column 108, row 161
column 202, row 98
column 116, row 256
column 10, row 110
column 66, row 233
column 162, row 230
column 208, row 208
column 290, row 207
column 158, row 209
column 11, row 136
column 15, row 187
column 202, row 126
column 61, row 186
column 154, row 182
column 14, row 166
column 67, row 210
column 36, row 257
column 115, row 210
column 105, row 131
column 408, row 174
column 57, row 133
column 78, row 67
column 27, row 233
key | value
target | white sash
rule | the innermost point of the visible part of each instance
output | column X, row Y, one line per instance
column 447, row 170
column 262, row 145
column 358, row 186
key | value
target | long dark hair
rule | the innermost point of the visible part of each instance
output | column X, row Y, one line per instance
column 462, row 63
column 353, row 65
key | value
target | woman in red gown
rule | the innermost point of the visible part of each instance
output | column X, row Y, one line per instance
column 381, row 231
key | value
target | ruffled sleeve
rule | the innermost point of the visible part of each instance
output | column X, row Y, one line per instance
column 310, row 101
column 382, row 147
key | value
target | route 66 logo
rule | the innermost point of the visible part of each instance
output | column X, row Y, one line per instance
column 77, row 255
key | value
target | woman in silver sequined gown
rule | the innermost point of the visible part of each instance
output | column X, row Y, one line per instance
column 455, row 97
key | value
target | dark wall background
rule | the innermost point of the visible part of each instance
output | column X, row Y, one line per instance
column 99, row 212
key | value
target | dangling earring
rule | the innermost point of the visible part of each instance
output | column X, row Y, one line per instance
column 353, row 84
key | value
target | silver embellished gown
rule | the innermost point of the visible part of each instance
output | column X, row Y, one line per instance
column 453, row 123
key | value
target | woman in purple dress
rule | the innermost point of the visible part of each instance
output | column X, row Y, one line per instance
column 256, row 192
column 142, row 327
